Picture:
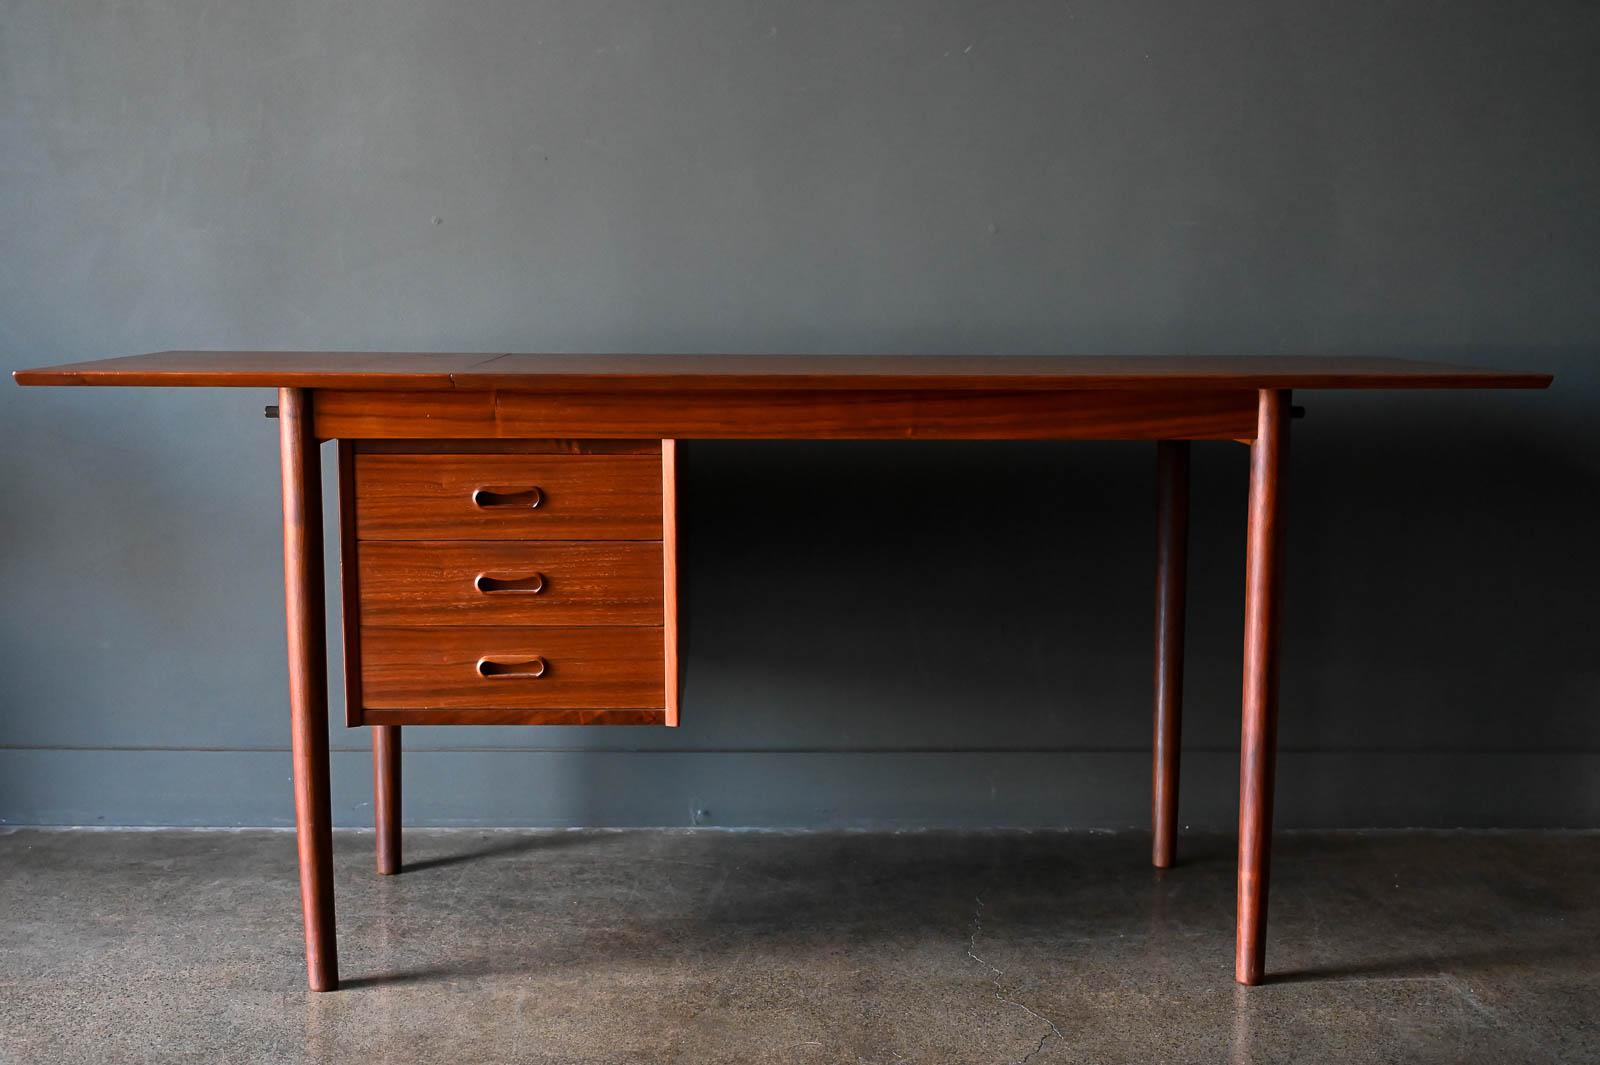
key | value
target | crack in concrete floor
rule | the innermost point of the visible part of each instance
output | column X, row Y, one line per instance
column 999, row 988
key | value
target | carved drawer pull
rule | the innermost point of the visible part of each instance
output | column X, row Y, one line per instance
column 531, row 585
column 523, row 668
column 491, row 498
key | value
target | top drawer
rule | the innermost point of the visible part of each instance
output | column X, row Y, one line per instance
column 508, row 497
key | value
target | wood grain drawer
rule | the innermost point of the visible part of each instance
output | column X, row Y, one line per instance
column 510, row 582
column 508, row 497
column 513, row 668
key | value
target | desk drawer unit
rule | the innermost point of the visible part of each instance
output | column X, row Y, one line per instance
column 530, row 585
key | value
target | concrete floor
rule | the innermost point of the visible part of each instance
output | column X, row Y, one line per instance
column 763, row 947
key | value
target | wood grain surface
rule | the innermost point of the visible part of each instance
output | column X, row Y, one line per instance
column 793, row 414
column 673, row 668
column 526, row 582
column 1172, row 579
column 438, row 668
column 1258, row 746
column 420, row 371
column 578, row 497
column 308, row 682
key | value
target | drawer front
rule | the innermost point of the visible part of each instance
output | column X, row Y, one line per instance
column 510, row 582
column 512, row 668
column 508, row 497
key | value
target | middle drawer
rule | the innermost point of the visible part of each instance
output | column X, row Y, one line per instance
column 520, row 582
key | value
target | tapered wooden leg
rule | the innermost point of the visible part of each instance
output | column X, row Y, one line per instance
column 386, row 795
column 308, row 680
column 1172, row 570
column 1263, row 597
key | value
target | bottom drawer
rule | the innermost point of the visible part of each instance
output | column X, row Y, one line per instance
column 485, row 668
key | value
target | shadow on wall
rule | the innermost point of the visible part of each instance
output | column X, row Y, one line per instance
column 996, row 597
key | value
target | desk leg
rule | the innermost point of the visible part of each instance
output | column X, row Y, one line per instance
column 386, row 795
column 308, row 680
column 1172, row 565
column 1263, row 597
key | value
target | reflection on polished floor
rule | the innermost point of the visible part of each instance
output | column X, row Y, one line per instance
column 700, row 947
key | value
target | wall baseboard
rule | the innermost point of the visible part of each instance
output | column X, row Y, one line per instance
column 602, row 789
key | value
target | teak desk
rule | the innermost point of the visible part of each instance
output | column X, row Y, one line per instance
column 509, row 523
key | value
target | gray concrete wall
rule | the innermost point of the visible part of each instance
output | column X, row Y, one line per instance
column 894, row 634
